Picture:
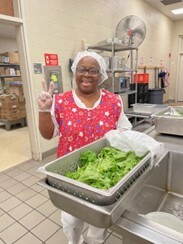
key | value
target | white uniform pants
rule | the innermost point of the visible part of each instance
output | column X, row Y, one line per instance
column 73, row 227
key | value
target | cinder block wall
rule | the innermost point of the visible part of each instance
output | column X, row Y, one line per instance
column 61, row 27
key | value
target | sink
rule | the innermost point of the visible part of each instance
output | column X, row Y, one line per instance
column 163, row 191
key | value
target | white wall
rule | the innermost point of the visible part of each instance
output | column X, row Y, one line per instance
column 59, row 26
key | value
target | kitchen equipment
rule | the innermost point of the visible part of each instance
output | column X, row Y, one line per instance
column 121, row 84
column 163, row 191
column 143, row 108
column 131, row 31
column 166, row 219
column 55, row 174
column 168, row 123
column 107, row 61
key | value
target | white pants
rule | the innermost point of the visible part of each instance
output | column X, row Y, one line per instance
column 73, row 227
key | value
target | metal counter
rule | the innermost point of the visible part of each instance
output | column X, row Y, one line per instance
column 132, row 226
column 136, row 229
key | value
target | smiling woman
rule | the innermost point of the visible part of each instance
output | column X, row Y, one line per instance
column 79, row 117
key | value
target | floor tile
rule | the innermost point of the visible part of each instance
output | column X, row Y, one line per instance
column 26, row 166
column 37, row 188
column 33, row 171
column 19, row 187
column 8, row 183
column 36, row 201
column 30, row 181
column 13, row 171
column 113, row 239
column 5, row 221
column 1, row 211
column 45, row 229
column 57, row 238
column 29, row 238
column 13, row 233
column 4, row 177
column 45, row 193
column 47, row 208
column 26, row 194
column 22, row 176
column 32, row 219
column 10, row 203
column 56, row 217
column 20, row 211
column 4, row 196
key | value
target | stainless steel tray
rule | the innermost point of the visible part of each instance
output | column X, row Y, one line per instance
column 55, row 175
column 169, row 124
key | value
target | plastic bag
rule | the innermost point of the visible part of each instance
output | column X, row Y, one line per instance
column 135, row 141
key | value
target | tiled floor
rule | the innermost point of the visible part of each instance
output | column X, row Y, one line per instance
column 26, row 214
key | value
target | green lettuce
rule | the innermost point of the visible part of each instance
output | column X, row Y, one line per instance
column 105, row 169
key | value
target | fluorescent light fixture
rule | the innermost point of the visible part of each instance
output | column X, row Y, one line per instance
column 177, row 11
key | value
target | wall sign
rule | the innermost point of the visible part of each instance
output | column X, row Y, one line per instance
column 37, row 68
column 51, row 59
column 54, row 74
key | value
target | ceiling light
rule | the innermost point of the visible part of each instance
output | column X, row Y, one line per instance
column 177, row 11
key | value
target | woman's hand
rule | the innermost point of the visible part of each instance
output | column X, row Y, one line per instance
column 45, row 99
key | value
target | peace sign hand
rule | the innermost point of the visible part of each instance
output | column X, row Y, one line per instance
column 45, row 99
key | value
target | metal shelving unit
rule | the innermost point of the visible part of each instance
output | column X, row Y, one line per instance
column 114, row 47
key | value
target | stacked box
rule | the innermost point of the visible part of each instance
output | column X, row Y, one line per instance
column 9, row 101
column 9, row 57
column 10, row 107
column 10, row 114
column 22, row 109
column 17, row 90
column 2, row 71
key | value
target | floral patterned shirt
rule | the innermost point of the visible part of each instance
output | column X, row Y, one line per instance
column 80, row 126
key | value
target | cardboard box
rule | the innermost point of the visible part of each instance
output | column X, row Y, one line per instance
column 10, row 71
column 9, row 102
column 12, row 56
column 4, row 59
column 10, row 114
column 2, row 71
column 22, row 113
column 16, row 89
column 22, row 104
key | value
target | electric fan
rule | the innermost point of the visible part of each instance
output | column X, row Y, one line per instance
column 131, row 30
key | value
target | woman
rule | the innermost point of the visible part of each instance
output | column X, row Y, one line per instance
column 79, row 117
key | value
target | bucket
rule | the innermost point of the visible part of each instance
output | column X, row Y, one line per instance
column 155, row 96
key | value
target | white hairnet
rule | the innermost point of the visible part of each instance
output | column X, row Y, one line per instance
column 100, row 60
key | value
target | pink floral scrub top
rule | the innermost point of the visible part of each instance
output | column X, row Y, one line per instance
column 79, row 126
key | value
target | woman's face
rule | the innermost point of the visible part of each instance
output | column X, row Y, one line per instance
column 88, row 75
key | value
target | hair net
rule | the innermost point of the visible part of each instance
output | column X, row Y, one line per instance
column 100, row 60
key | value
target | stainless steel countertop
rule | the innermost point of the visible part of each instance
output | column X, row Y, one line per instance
column 136, row 229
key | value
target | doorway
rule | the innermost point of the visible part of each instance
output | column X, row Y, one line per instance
column 16, row 26
column 15, row 145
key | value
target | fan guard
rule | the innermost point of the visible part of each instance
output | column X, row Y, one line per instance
column 131, row 30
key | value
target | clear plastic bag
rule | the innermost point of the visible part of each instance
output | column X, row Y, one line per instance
column 135, row 141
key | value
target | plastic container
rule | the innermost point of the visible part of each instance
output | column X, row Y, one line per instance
column 143, row 108
column 141, row 78
column 155, row 96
